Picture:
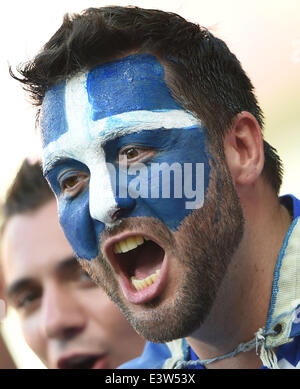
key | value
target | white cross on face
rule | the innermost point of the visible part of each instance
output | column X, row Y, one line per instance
column 83, row 141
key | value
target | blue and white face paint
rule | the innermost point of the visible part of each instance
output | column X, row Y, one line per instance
column 85, row 122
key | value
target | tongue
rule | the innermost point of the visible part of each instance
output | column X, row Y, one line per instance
column 146, row 259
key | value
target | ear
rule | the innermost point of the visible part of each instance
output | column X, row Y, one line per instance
column 244, row 151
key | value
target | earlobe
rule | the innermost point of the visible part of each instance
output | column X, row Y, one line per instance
column 243, row 146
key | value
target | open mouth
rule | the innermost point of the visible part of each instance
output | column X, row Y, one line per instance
column 83, row 362
column 140, row 264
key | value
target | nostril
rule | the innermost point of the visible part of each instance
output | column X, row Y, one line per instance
column 70, row 332
column 116, row 215
column 124, row 206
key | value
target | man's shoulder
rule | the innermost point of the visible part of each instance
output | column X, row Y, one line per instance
column 292, row 203
column 160, row 355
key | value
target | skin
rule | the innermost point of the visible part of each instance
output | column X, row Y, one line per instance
column 62, row 312
column 220, row 260
column 6, row 361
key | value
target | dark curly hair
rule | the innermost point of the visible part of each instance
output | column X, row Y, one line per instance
column 201, row 72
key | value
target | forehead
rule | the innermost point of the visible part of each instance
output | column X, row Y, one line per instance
column 129, row 94
column 134, row 83
column 27, row 246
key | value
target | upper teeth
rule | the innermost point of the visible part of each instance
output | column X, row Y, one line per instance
column 128, row 244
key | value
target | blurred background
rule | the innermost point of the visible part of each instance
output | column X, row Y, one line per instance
column 264, row 35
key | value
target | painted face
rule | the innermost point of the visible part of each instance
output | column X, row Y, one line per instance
column 93, row 121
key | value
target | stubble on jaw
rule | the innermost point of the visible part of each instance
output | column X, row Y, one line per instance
column 202, row 248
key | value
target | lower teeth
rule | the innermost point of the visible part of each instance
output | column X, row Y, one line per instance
column 142, row 284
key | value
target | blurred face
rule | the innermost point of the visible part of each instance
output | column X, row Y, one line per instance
column 141, row 199
column 66, row 319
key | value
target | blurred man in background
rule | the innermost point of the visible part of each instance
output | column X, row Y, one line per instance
column 67, row 320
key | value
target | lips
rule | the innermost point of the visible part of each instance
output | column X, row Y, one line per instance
column 140, row 265
column 83, row 361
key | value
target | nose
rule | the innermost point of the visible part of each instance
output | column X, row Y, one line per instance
column 101, row 196
column 121, row 209
column 62, row 317
column 104, row 205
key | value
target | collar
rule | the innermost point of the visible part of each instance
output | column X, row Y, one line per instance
column 284, row 311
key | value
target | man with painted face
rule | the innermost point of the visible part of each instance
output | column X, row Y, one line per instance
column 67, row 320
column 166, row 190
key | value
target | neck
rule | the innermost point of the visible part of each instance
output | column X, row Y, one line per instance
column 242, row 303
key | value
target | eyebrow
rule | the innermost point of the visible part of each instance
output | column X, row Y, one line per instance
column 56, row 161
column 18, row 286
column 126, row 123
column 27, row 282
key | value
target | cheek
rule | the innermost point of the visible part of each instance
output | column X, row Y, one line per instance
column 107, row 315
column 80, row 229
column 33, row 337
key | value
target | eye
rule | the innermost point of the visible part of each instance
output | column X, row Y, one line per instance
column 27, row 302
column 131, row 153
column 135, row 154
column 73, row 183
column 70, row 182
column 86, row 280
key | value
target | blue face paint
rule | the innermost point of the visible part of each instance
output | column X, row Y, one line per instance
column 138, row 79
column 53, row 121
column 171, row 147
column 121, row 103
column 74, row 213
